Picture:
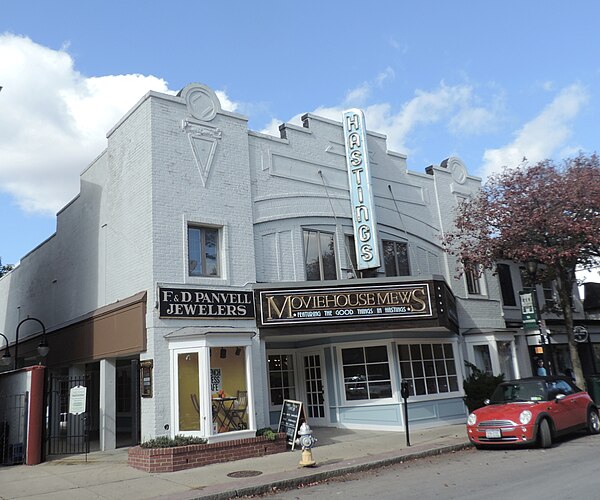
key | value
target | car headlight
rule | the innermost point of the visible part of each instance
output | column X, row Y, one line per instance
column 472, row 419
column 525, row 417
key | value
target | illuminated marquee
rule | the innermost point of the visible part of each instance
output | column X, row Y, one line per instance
column 304, row 306
column 361, row 195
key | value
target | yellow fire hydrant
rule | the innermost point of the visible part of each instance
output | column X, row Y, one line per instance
column 306, row 440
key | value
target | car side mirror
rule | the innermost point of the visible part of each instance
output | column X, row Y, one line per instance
column 486, row 401
column 559, row 397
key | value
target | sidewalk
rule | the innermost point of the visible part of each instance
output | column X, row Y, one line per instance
column 106, row 475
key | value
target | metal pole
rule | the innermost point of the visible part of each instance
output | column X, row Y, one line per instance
column 406, row 421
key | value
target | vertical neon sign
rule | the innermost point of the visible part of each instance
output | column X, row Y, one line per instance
column 361, row 194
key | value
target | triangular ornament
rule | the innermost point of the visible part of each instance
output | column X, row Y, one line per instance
column 204, row 151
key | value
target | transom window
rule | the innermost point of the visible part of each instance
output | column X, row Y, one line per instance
column 319, row 256
column 281, row 378
column 203, row 251
column 428, row 368
column 366, row 373
column 395, row 257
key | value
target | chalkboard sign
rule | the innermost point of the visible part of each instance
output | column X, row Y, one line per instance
column 290, row 419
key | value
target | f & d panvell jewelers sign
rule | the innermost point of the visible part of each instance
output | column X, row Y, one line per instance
column 361, row 195
column 194, row 303
column 306, row 305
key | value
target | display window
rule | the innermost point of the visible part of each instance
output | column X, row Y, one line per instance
column 212, row 394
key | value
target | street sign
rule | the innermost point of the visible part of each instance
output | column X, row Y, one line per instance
column 580, row 334
column 528, row 310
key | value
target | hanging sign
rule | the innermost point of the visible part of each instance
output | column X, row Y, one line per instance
column 361, row 193
column 528, row 310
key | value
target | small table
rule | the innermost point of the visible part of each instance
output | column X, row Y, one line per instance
column 222, row 412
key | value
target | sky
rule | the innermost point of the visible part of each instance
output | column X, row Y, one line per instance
column 490, row 82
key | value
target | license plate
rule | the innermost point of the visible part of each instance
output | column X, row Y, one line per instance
column 493, row 433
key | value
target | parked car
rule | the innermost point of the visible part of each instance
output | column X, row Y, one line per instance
column 532, row 411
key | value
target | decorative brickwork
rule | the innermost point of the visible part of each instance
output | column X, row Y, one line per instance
column 197, row 455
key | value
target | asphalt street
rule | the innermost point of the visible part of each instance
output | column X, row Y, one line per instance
column 568, row 470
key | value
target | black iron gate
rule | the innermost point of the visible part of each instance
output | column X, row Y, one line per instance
column 68, row 433
column 13, row 428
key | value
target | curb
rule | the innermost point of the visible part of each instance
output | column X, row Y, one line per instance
column 289, row 483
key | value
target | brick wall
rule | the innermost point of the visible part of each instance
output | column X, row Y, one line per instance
column 198, row 455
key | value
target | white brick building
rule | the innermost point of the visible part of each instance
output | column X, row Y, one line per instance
column 187, row 215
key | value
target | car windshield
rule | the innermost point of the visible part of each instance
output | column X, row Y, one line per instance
column 522, row 390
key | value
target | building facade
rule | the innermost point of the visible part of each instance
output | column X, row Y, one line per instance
column 205, row 273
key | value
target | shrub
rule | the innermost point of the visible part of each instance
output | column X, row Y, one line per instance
column 267, row 432
column 479, row 386
column 167, row 442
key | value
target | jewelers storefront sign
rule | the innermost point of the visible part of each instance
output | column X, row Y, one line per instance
column 195, row 303
column 305, row 306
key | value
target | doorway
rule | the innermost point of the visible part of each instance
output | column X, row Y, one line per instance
column 314, row 389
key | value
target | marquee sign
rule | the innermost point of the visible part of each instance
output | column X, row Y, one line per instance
column 343, row 304
column 361, row 195
column 196, row 303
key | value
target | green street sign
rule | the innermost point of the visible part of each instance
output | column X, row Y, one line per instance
column 528, row 310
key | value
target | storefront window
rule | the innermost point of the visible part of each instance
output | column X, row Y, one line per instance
column 189, row 392
column 228, row 387
column 281, row 378
column 366, row 373
column 429, row 368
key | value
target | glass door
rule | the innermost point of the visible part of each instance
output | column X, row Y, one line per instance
column 315, row 397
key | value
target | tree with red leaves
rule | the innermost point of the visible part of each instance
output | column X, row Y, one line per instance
column 545, row 212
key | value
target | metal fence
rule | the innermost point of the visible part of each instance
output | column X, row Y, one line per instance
column 67, row 433
column 13, row 428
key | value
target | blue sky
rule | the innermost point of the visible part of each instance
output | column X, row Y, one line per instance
column 490, row 82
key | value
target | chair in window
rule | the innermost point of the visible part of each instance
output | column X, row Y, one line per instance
column 238, row 411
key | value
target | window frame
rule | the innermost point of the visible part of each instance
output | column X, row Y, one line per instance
column 507, row 287
column 294, row 371
column 427, row 395
column 318, row 233
column 369, row 401
column 396, row 243
column 203, row 228
column 202, row 347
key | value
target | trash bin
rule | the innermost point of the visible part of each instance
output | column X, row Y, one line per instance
column 593, row 388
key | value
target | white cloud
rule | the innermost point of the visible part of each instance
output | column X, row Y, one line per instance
column 54, row 120
column 540, row 138
column 453, row 105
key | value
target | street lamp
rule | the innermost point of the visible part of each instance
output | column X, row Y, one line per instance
column 42, row 349
column 5, row 360
column 532, row 267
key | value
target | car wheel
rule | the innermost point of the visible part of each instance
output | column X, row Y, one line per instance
column 593, row 422
column 544, row 434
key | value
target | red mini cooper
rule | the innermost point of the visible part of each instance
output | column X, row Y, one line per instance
column 532, row 410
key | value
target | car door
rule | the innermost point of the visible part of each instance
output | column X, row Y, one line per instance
column 573, row 405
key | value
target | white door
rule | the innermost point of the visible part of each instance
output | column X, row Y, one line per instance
column 315, row 395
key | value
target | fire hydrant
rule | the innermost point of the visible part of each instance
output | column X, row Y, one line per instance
column 306, row 440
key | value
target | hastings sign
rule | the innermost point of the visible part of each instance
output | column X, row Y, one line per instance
column 361, row 195
column 304, row 306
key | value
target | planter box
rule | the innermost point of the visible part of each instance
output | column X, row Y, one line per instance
column 197, row 455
